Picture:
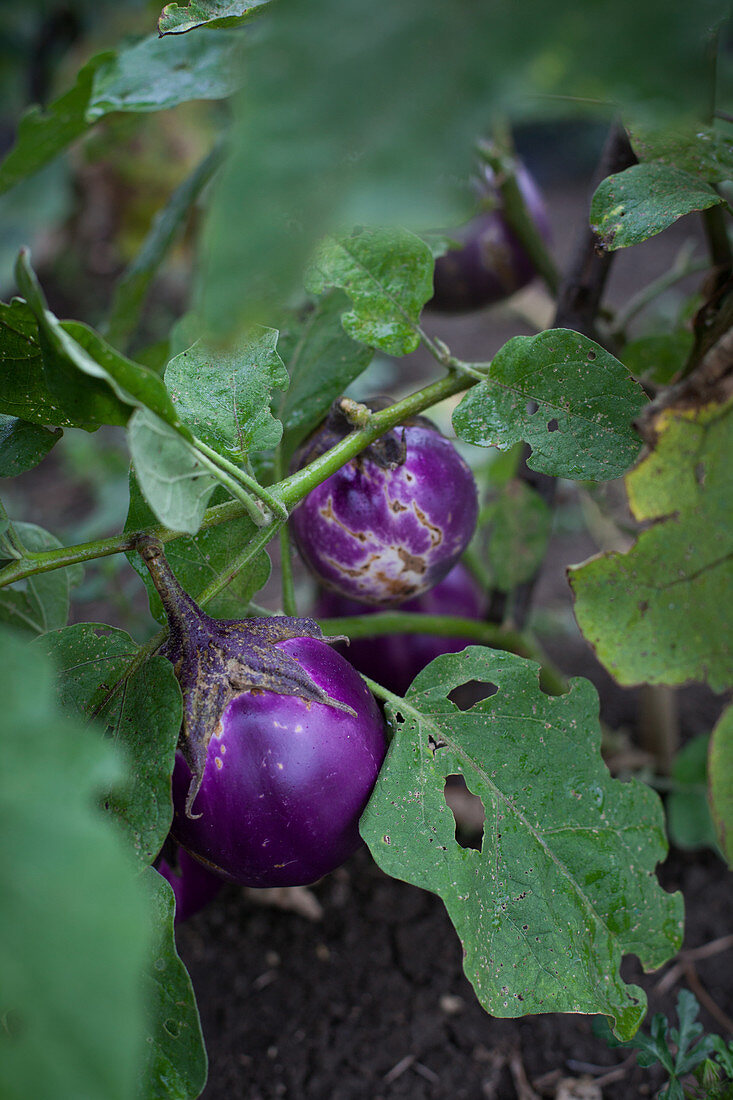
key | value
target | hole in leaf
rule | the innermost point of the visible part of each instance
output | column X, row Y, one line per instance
column 552, row 425
column 468, row 812
column 171, row 1026
column 591, row 355
column 473, row 691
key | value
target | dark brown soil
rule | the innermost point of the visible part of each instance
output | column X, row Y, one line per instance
column 371, row 1001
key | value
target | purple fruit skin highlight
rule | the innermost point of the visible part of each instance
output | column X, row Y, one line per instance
column 193, row 885
column 492, row 264
column 286, row 779
column 382, row 535
column 394, row 660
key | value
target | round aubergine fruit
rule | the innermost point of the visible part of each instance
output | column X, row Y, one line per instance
column 490, row 264
column 280, row 747
column 193, row 885
column 392, row 522
column 394, row 660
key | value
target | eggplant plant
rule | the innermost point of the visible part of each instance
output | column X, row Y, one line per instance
column 237, row 730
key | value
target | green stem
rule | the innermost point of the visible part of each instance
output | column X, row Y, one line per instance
column 250, row 483
column 452, row 626
column 683, row 266
column 289, row 491
column 233, row 486
column 299, row 484
column 287, row 586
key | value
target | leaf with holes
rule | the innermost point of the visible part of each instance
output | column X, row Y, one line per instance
column 585, row 403
column 223, row 394
column 176, row 1063
column 144, row 719
column 720, row 767
column 388, row 274
column 563, row 885
column 653, row 614
column 180, row 18
column 640, row 202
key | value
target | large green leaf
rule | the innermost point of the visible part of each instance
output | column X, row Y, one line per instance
column 634, row 205
column 563, row 886
column 73, row 928
column 176, row 1057
column 396, row 96
column 40, row 602
column 720, row 768
column 388, row 274
column 23, row 445
column 150, row 75
column 44, row 133
column 180, row 18
column 157, row 74
column 144, row 719
column 85, row 373
column 705, row 152
column 224, row 394
column 24, row 390
column 586, row 401
column 653, row 614
column 321, row 361
column 196, row 561
column 175, row 483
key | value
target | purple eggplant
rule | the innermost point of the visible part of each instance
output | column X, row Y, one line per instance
column 391, row 523
column 280, row 747
column 491, row 264
column 394, row 660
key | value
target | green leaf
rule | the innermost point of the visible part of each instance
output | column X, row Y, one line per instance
column 634, row 205
column 224, row 394
column 24, row 390
column 132, row 286
column 721, row 782
column 388, row 274
column 44, row 133
column 150, row 75
column 563, row 885
column 703, row 152
column 73, row 928
column 587, row 400
column 176, row 1056
column 653, row 614
column 521, row 522
column 83, row 371
column 396, row 97
column 689, row 821
column 173, row 480
column 180, row 18
column 658, row 357
column 144, row 719
column 157, row 74
column 23, row 445
column 321, row 362
column 40, row 602
column 196, row 561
